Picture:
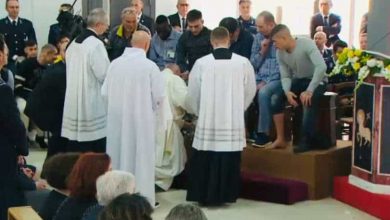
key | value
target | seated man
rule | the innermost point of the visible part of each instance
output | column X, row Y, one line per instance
column 240, row 39
column 28, row 73
column 121, row 35
column 320, row 40
column 302, row 71
column 170, row 152
column 163, row 46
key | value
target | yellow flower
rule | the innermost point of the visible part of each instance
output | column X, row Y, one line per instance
column 350, row 54
column 345, row 50
column 358, row 53
column 388, row 67
column 356, row 66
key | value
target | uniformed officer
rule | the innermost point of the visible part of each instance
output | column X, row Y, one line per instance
column 16, row 31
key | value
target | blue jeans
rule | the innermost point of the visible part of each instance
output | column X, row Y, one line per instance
column 270, row 100
column 309, row 119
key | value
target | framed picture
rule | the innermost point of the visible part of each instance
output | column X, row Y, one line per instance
column 384, row 142
column 364, row 127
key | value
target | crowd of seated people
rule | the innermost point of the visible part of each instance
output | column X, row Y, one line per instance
column 60, row 90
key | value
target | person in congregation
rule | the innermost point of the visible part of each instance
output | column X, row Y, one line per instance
column 171, row 154
column 56, row 171
column 186, row 211
column 221, row 86
column 163, row 47
column 302, row 71
column 46, row 102
column 269, row 87
column 240, row 39
column 120, row 36
column 143, row 19
column 29, row 73
column 134, row 90
column 16, row 31
column 84, row 118
column 13, row 142
column 246, row 20
column 82, row 185
column 179, row 19
column 327, row 54
column 194, row 43
column 127, row 207
column 326, row 21
column 30, row 51
column 109, row 186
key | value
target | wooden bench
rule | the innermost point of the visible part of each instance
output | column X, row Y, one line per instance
column 23, row 213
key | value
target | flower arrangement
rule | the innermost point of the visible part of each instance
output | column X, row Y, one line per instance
column 354, row 61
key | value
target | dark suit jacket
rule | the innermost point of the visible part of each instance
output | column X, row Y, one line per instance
column 148, row 22
column 15, row 37
column 243, row 45
column 333, row 29
column 175, row 20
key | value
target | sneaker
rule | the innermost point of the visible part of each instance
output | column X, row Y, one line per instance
column 261, row 140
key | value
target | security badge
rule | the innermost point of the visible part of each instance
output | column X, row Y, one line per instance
column 170, row 54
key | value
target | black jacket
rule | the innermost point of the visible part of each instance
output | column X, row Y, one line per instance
column 243, row 45
column 175, row 20
column 147, row 22
column 333, row 29
column 16, row 36
column 45, row 105
column 190, row 48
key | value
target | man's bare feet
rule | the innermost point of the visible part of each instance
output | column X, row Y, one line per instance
column 279, row 144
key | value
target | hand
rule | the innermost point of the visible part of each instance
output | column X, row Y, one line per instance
column 260, row 85
column 319, row 28
column 291, row 98
column 184, row 75
column 41, row 184
column 177, row 28
column 264, row 46
column 306, row 98
column 28, row 172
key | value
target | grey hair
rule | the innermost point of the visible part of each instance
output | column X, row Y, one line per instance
column 97, row 15
column 128, row 11
column 186, row 211
column 112, row 184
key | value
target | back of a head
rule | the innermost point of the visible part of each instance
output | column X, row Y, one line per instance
column 194, row 15
column 186, row 212
column 127, row 207
column 219, row 35
column 57, row 169
column 48, row 49
column 139, row 39
column 112, row 184
column 162, row 19
column 339, row 44
column 97, row 15
column 280, row 30
column 231, row 24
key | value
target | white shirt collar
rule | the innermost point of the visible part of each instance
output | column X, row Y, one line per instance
column 181, row 17
column 139, row 16
column 325, row 15
column 11, row 20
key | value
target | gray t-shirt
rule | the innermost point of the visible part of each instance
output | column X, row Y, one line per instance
column 305, row 61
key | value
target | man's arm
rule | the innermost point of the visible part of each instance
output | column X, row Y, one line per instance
column 256, row 56
column 179, row 91
column 181, row 54
column 250, row 84
column 99, row 62
column 319, row 66
column 335, row 25
column 285, row 75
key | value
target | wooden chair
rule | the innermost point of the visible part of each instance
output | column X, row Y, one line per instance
column 23, row 213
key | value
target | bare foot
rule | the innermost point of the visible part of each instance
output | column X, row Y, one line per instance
column 279, row 144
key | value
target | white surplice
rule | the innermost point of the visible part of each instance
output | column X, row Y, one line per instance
column 134, row 89
column 219, row 91
column 84, row 117
column 170, row 151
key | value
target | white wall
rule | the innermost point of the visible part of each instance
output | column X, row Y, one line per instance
column 42, row 13
column 213, row 10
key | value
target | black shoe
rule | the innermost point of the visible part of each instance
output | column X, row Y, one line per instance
column 156, row 205
column 261, row 140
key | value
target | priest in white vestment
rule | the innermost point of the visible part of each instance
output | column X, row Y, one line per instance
column 170, row 151
column 134, row 89
column 221, row 87
column 84, row 118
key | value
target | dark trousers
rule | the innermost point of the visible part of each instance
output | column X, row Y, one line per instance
column 57, row 144
column 97, row 146
column 309, row 119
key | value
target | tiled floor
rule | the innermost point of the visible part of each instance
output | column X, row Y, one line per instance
column 250, row 210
